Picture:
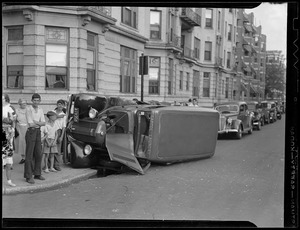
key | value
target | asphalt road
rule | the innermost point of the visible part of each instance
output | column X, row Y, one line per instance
column 243, row 181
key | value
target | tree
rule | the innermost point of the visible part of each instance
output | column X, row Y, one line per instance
column 275, row 80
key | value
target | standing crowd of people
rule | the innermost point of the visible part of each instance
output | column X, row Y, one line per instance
column 37, row 139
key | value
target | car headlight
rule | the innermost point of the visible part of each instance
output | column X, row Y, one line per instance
column 229, row 121
column 87, row 150
column 92, row 113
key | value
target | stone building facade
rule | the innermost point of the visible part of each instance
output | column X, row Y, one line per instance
column 192, row 53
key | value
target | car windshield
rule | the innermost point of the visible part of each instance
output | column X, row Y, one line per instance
column 264, row 105
column 227, row 108
column 251, row 106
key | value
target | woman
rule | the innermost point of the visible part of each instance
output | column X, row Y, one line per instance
column 8, row 133
column 21, row 126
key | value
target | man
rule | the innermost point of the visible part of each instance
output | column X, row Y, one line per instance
column 33, row 159
column 195, row 102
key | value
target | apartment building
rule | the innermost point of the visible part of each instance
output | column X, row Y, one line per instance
column 193, row 53
column 251, row 57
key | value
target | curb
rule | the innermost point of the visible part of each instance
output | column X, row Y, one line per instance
column 42, row 187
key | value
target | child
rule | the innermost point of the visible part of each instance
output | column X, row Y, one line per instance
column 50, row 143
column 44, row 135
column 61, row 122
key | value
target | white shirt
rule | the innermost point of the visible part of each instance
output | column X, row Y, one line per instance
column 61, row 122
column 51, row 129
column 6, row 109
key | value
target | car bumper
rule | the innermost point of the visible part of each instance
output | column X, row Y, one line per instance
column 227, row 131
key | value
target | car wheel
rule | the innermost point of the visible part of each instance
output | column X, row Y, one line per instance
column 251, row 130
column 267, row 121
column 239, row 133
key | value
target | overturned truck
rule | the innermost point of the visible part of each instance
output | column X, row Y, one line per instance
column 111, row 131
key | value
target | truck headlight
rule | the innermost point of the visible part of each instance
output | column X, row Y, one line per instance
column 92, row 113
column 87, row 150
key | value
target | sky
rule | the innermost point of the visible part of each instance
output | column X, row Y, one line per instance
column 273, row 20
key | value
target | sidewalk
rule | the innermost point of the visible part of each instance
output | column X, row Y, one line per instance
column 66, row 176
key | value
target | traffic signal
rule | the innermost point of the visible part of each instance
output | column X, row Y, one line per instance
column 143, row 65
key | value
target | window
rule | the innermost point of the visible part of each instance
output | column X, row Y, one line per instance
column 219, row 20
column 196, row 83
column 223, row 85
column 228, row 60
column 207, row 52
column 181, row 80
column 14, row 63
column 91, row 61
column 197, row 48
column 56, row 58
column 129, row 16
column 170, row 77
column 206, row 84
column 154, row 72
column 229, row 32
column 187, row 81
column 208, row 18
column 155, row 24
column 227, row 88
column 128, row 70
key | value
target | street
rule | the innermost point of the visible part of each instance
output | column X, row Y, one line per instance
column 243, row 181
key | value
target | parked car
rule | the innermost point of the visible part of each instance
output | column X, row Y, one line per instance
column 273, row 112
column 278, row 110
column 235, row 118
column 282, row 107
column 256, row 113
column 114, row 136
column 265, row 107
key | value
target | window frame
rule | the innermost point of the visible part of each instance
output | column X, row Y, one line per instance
column 196, row 83
column 208, row 52
column 187, row 81
column 206, row 90
column 128, row 82
column 154, row 85
column 209, row 21
column 64, row 42
column 158, row 26
column 93, row 69
column 133, row 20
column 18, row 42
column 181, row 81
column 197, row 47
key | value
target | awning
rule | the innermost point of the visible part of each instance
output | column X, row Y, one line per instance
column 247, row 69
column 247, row 47
column 244, row 65
column 253, row 70
column 245, row 17
column 243, row 87
column 252, row 90
column 259, row 90
column 245, row 42
column 253, row 49
column 248, row 28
